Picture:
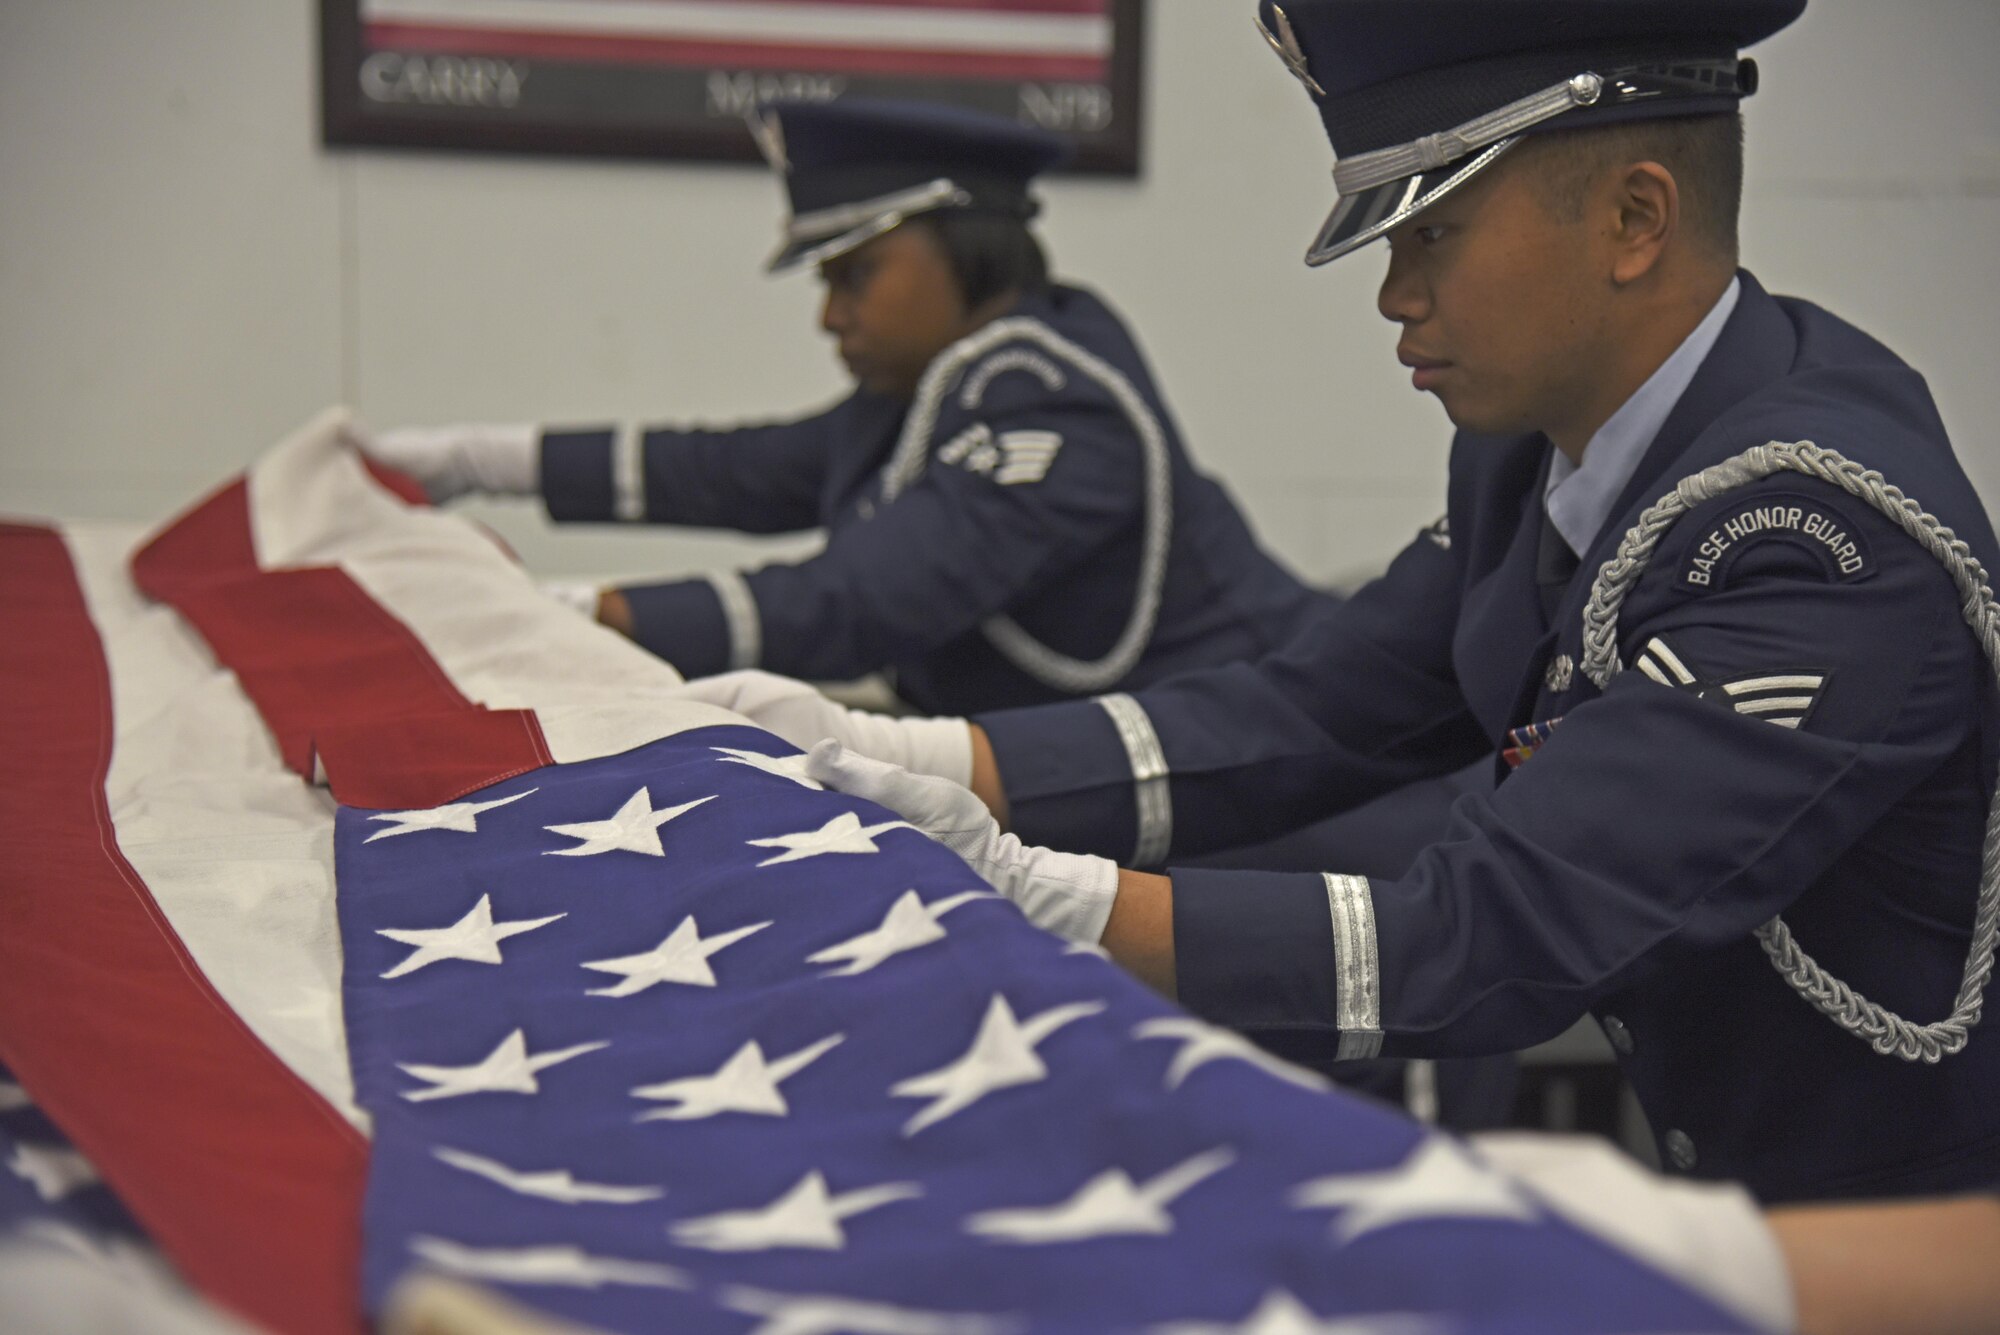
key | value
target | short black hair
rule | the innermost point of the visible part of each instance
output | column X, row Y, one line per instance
column 989, row 252
column 1704, row 153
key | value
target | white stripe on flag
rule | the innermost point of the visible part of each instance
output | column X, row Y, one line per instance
column 493, row 634
column 234, row 849
column 904, row 27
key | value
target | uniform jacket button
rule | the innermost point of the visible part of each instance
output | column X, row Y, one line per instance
column 1680, row 1150
column 1620, row 1036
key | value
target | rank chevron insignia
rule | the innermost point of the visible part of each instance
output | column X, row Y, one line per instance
column 1784, row 698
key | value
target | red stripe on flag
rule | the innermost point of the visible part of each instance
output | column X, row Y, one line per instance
column 212, row 539
column 430, row 760
column 244, row 1176
column 1000, row 66
column 334, row 674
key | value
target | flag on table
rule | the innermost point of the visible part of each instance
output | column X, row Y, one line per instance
column 587, row 994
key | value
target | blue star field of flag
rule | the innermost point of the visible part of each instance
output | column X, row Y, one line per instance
column 51, row 1195
column 673, row 1040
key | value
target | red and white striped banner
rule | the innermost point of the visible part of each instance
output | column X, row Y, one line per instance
column 1055, row 40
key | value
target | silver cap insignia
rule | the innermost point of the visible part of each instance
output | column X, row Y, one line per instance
column 1286, row 44
column 769, row 132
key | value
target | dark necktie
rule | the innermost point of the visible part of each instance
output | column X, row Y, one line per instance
column 1555, row 565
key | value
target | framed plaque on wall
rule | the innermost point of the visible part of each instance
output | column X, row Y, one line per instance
column 673, row 78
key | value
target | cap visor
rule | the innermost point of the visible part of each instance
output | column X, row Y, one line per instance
column 797, row 252
column 1367, row 214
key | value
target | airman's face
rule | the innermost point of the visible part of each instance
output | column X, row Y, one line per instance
column 1504, row 314
column 893, row 303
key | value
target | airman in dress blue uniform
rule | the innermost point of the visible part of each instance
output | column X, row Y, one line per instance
column 1011, row 516
column 1747, row 739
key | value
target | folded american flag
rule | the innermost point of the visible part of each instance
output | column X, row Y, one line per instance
column 586, row 994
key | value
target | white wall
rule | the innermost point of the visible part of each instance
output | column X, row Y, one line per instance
column 185, row 273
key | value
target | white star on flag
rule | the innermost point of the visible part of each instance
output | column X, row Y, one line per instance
column 1002, row 1055
column 113, row 1258
column 1282, row 1314
column 459, row 816
column 806, row 1216
column 12, row 1096
column 569, row 1266
column 681, row 958
column 53, row 1171
column 552, row 1184
column 633, row 828
column 785, row 767
column 508, row 1069
column 833, row 1314
column 843, row 834
column 1204, row 1043
column 747, row 1083
column 910, row 923
column 474, row 937
column 1439, row 1180
column 1108, row 1204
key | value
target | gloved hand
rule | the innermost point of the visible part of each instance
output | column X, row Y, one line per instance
column 576, row 594
column 1069, row 894
column 801, row 715
column 1708, row 1235
column 496, row 459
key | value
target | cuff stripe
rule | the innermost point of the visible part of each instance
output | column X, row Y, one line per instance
column 739, row 612
column 628, row 475
column 1358, row 979
column 1151, row 796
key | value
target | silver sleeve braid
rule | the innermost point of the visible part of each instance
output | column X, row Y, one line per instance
column 1883, row 1030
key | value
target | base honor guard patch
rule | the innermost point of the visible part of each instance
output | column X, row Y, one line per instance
column 1807, row 523
column 1784, row 698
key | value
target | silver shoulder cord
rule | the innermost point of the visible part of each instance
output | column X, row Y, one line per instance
column 1883, row 1030
column 1073, row 675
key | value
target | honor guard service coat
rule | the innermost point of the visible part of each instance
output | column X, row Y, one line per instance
column 1028, row 529
column 1806, row 727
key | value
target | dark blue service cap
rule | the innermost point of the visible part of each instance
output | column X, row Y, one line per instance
column 1419, row 96
column 855, row 167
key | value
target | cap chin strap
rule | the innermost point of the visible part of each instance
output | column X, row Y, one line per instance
column 1378, row 167
column 1649, row 80
column 846, row 226
column 1883, row 1030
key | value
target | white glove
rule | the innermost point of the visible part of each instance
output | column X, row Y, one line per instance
column 801, row 715
column 1707, row 1235
column 575, row 594
column 1069, row 894
column 500, row 459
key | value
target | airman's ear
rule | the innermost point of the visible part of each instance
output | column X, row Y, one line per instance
column 1646, row 207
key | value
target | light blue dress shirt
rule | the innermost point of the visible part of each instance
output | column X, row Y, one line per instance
column 1580, row 496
